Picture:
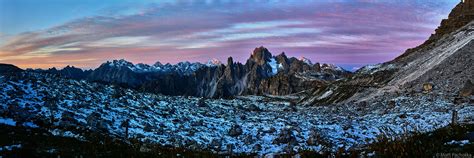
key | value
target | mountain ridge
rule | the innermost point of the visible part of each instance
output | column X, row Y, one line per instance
column 217, row 80
column 262, row 74
column 443, row 61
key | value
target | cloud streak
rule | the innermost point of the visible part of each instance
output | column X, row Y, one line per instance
column 342, row 32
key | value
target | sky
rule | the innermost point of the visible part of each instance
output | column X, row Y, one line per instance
column 86, row 33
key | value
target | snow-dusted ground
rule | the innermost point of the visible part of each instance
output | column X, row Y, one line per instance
column 460, row 143
column 10, row 147
column 266, row 126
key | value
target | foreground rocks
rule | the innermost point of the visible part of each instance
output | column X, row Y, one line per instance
column 252, row 124
column 235, row 131
column 467, row 90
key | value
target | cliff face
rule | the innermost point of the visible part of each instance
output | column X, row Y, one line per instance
column 263, row 74
column 443, row 61
column 461, row 15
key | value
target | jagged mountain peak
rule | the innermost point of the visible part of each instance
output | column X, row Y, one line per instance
column 184, row 68
column 261, row 74
column 157, row 64
column 332, row 67
column 306, row 60
column 120, row 63
column 282, row 54
column 261, row 55
column 214, row 62
column 230, row 61
column 71, row 68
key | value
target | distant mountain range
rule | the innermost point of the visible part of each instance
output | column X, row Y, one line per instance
column 262, row 74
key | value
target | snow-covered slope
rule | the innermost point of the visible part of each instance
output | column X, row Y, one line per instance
column 184, row 68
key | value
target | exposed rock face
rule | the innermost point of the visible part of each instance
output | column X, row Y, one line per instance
column 291, row 75
column 450, row 74
column 445, row 60
column 467, row 90
column 232, row 82
column 461, row 15
column 261, row 74
column 258, row 68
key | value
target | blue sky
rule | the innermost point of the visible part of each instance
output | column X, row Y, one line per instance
column 19, row 16
column 85, row 33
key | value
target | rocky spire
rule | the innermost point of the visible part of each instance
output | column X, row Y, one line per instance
column 230, row 61
column 261, row 55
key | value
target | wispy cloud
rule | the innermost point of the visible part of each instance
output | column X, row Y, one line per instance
column 123, row 41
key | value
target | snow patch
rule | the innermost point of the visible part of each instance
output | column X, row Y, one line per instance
column 214, row 62
column 460, row 143
column 326, row 94
column 306, row 60
column 10, row 147
column 7, row 121
column 274, row 65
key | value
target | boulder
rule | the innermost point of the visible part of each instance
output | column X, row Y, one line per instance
column 427, row 87
column 235, row 131
column 253, row 107
column 201, row 102
column 285, row 137
column 467, row 90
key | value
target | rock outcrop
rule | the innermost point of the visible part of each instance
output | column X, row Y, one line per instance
column 467, row 90
column 460, row 16
column 445, row 61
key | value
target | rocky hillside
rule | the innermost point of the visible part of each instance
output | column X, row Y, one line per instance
column 460, row 16
column 261, row 74
column 78, row 110
column 443, row 64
